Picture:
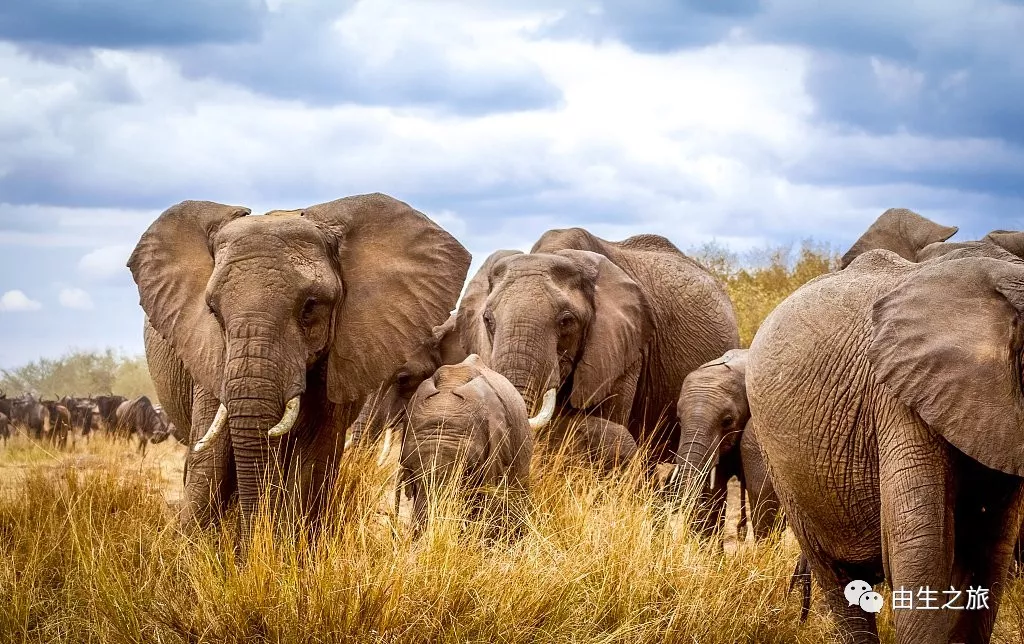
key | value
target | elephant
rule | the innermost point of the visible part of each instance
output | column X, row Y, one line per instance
column 611, row 327
column 386, row 408
column 5, row 427
column 59, row 423
column 139, row 416
column 887, row 401
column 265, row 335
column 997, row 243
column 468, row 426
column 714, row 446
column 900, row 230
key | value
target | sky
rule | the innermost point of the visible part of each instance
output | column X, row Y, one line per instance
column 744, row 122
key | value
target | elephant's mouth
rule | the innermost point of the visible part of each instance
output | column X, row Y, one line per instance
column 220, row 421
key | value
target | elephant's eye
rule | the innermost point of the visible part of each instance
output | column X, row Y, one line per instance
column 308, row 308
column 489, row 321
column 566, row 320
column 402, row 380
column 728, row 421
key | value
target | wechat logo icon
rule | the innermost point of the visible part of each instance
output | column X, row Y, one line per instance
column 859, row 593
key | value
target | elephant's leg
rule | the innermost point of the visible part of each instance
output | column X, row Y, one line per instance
column 312, row 471
column 987, row 518
column 916, row 486
column 606, row 444
column 210, row 474
column 854, row 624
column 764, row 503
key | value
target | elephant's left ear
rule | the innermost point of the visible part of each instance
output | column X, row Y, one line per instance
column 947, row 342
column 620, row 330
column 1011, row 240
column 402, row 274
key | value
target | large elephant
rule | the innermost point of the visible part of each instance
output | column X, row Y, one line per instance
column 613, row 327
column 902, row 231
column 467, row 426
column 714, row 446
column 887, row 401
column 275, row 328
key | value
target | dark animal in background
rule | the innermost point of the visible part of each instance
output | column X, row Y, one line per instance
column 5, row 427
column 59, row 422
column 26, row 411
column 170, row 429
column 107, row 406
column 82, row 413
column 139, row 417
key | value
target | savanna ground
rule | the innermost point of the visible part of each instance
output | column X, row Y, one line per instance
column 92, row 551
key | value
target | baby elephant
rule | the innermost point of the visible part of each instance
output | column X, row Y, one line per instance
column 468, row 426
column 715, row 445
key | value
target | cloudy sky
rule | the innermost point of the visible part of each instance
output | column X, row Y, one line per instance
column 743, row 121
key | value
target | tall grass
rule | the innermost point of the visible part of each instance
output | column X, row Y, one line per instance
column 93, row 553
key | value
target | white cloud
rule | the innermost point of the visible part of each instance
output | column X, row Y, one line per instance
column 17, row 301
column 75, row 298
column 105, row 262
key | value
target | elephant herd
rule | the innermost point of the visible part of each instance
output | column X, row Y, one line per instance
column 878, row 408
column 53, row 421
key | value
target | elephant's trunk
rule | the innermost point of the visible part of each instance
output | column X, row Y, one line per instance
column 260, row 404
column 698, row 447
column 529, row 359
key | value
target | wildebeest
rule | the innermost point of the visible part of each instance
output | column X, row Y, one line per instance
column 60, row 423
column 82, row 412
column 169, row 429
column 25, row 410
column 107, row 406
column 138, row 416
column 5, row 427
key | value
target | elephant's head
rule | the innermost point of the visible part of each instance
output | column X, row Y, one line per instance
column 948, row 342
column 386, row 408
column 1010, row 240
column 713, row 412
column 902, row 231
column 292, row 318
column 467, row 426
column 570, row 317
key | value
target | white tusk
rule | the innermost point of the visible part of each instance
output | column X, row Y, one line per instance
column 547, row 409
column 291, row 412
column 386, row 448
column 712, row 475
column 349, row 438
column 216, row 426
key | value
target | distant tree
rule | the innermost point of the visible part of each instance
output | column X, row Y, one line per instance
column 80, row 373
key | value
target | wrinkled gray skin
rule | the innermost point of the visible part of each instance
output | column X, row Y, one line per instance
column 900, row 230
column 991, row 245
column 713, row 416
column 887, row 401
column 320, row 305
column 467, row 423
column 613, row 326
column 388, row 405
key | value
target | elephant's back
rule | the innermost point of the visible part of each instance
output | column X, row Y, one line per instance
column 809, row 385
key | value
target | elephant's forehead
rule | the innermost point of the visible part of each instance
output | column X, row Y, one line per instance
column 288, row 225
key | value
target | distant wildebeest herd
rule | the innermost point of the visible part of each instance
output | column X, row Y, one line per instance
column 879, row 409
column 53, row 420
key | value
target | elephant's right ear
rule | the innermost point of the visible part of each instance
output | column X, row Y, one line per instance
column 902, row 231
column 171, row 265
column 469, row 325
column 947, row 342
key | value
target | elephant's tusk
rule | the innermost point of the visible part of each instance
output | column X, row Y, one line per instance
column 291, row 412
column 546, row 411
column 349, row 439
column 386, row 448
column 216, row 427
column 711, row 476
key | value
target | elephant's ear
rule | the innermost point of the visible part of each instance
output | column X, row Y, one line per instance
column 1011, row 240
column 402, row 274
column 947, row 342
column 902, row 231
column 618, row 333
column 171, row 265
column 469, row 325
column 449, row 344
column 510, row 438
